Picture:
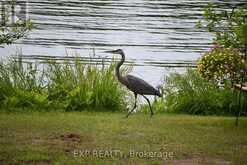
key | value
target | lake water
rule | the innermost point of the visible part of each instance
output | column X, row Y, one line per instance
column 155, row 34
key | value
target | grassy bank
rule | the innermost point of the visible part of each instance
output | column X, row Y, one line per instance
column 58, row 138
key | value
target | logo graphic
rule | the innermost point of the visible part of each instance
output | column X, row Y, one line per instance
column 13, row 12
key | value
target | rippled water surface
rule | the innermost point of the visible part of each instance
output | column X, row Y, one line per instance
column 153, row 33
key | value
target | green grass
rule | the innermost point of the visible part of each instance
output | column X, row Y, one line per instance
column 57, row 137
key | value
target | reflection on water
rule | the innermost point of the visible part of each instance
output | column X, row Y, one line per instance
column 152, row 33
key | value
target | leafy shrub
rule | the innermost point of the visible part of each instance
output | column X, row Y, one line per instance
column 229, row 26
column 190, row 93
column 70, row 86
column 230, row 29
column 222, row 63
column 78, row 86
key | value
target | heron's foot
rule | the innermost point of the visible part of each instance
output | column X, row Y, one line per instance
column 127, row 115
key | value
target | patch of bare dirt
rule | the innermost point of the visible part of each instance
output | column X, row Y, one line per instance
column 36, row 140
column 73, row 137
column 69, row 142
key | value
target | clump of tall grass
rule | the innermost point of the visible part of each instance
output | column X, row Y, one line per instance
column 68, row 86
column 192, row 94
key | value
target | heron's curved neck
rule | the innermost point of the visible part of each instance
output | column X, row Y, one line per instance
column 119, row 76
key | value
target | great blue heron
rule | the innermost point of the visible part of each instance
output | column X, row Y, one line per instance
column 135, row 84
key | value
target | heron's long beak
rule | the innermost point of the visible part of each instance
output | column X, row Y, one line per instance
column 110, row 51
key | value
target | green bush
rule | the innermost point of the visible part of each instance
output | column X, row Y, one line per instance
column 190, row 93
column 69, row 86
column 222, row 63
column 230, row 31
column 78, row 86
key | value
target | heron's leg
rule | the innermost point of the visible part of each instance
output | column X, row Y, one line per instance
column 133, row 107
column 149, row 105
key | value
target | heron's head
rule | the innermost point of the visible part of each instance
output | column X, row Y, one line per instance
column 118, row 51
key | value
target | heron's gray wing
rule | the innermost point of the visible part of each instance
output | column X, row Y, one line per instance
column 140, row 86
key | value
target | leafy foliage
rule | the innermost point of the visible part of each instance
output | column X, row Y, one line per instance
column 194, row 92
column 190, row 93
column 70, row 86
column 222, row 63
column 230, row 27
